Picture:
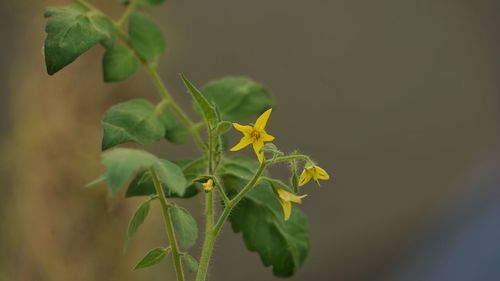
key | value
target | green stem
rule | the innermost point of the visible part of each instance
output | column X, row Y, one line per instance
column 211, row 236
column 222, row 194
column 163, row 91
column 130, row 9
column 176, row 255
column 290, row 158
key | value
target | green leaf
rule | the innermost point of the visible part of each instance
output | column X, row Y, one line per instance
column 175, row 132
column 131, row 121
column 97, row 181
column 186, row 229
column 259, row 217
column 191, row 263
column 238, row 98
column 71, row 31
column 142, row 185
column 152, row 257
column 275, row 184
column 146, row 37
column 121, row 163
column 137, row 220
column 239, row 166
column 207, row 110
column 222, row 127
column 119, row 63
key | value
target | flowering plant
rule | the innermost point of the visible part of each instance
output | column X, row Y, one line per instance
column 265, row 217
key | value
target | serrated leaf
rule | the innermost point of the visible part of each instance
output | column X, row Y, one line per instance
column 191, row 263
column 131, row 121
column 71, row 31
column 238, row 98
column 207, row 110
column 121, row 163
column 143, row 185
column 137, row 220
column 146, row 36
column 152, row 257
column 118, row 64
column 185, row 227
column 281, row 244
column 175, row 132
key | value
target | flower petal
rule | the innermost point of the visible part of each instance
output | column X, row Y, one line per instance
column 261, row 122
column 246, row 140
column 305, row 177
column 321, row 173
column 287, row 209
column 257, row 145
column 289, row 196
column 264, row 136
column 245, row 129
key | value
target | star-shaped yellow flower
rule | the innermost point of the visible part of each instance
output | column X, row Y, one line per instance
column 286, row 198
column 255, row 135
column 315, row 172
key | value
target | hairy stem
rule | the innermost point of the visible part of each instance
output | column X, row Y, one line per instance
column 176, row 255
column 289, row 158
column 211, row 236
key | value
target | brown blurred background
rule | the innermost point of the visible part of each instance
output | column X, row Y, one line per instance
column 397, row 99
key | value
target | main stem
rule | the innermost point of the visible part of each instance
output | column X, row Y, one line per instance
column 176, row 256
column 211, row 236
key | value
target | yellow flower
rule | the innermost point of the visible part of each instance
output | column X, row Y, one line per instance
column 314, row 172
column 286, row 198
column 255, row 135
column 208, row 185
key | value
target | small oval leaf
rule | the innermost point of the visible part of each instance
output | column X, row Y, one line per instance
column 185, row 227
column 137, row 220
column 146, row 36
column 191, row 263
column 118, row 64
column 152, row 257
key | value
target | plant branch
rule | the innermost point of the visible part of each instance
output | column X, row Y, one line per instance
column 211, row 237
column 153, row 73
column 222, row 194
column 176, row 255
column 130, row 9
column 290, row 158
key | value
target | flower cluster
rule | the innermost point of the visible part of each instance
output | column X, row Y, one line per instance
column 256, row 136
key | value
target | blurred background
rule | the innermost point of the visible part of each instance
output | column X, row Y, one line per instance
column 398, row 100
